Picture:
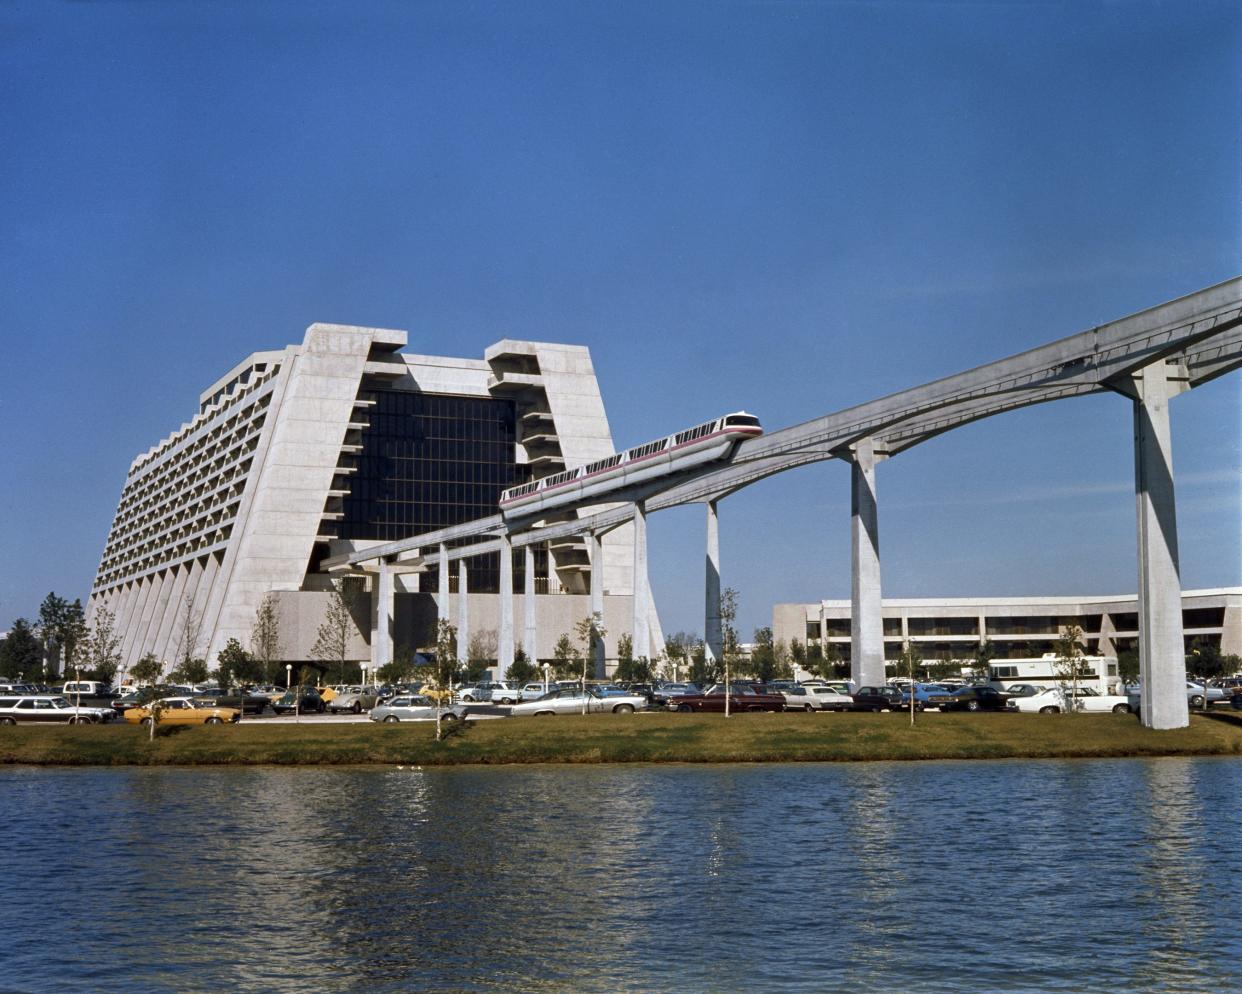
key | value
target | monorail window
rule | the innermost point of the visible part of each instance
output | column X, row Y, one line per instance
column 646, row 450
column 744, row 420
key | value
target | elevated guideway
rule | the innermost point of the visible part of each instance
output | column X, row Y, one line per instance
column 1148, row 357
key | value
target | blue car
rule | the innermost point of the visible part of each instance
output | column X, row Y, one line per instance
column 922, row 691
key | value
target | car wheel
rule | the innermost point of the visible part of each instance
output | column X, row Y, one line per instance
column 1196, row 701
column 972, row 705
column 684, row 708
column 877, row 710
column 808, row 707
column 623, row 709
column 449, row 716
column 468, row 698
column 357, row 708
column 319, row 709
column 8, row 721
column 79, row 720
column 213, row 720
column 1121, row 709
column 390, row 718
column 1050, row 710
column 544, row 714
column 506, row 700
column 145, row 721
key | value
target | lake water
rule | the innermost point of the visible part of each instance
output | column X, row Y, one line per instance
column 1007, row 876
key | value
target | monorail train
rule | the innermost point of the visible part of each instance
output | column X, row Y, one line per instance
column 692, row 447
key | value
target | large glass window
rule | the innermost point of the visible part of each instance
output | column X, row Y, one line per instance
column 429, row 461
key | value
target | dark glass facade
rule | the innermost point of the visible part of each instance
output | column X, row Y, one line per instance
column 428, row 461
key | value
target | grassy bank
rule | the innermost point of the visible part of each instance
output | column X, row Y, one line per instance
column 654, row 738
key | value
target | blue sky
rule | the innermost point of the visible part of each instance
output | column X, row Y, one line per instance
column 779, row 206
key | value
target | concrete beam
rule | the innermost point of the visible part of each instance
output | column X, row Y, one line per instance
column 867, row 620
column 713, row 635
column 1162, row 660
column 642, row 597
column 506, row 639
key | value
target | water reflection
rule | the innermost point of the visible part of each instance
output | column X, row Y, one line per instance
column 1053, row 876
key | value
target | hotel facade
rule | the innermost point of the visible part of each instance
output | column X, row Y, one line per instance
column 1017, row 627
column 340, row 443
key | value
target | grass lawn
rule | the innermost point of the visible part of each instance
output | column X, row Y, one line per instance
column 641, row 738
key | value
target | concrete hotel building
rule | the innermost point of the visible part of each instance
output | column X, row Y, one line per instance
column 337, row 444
column 1016, row 626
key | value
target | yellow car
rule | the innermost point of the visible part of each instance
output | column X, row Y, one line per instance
column 182, row 711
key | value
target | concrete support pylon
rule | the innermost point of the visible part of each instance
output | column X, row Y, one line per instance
column 381, row 616
column 642, row 588
column 1162, row 659
column 866, row 615
column 713, row 634
column 530, row 631
column 597, row 601
column 463, row 611
column 444, row 613
column 504, row 648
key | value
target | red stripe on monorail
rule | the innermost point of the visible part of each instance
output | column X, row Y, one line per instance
column 734, row 430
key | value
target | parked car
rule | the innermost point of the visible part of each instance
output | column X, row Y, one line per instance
column 309, row 701
column 412, row 707
column 534, row 691
column 816, row 697
column 1195, row 694
column 887, row 698
column 1047, row 700
column 922, row 693
column 1088, row 699
column 742, row 697
column 977, row 698
column 49, row 709
column 182, row 711
column 355, row 699
column 1023, row 690
column 569, row 700
column 248, row 702
column 665, row 692
column 86, row 688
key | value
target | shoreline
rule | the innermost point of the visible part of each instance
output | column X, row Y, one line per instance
column 651, row 738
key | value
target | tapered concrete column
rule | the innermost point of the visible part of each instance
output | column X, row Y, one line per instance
column 443, row 614
column 713, row 637
column 505, row 643
column 597, row 601
column 463, row 611
column 642, row 590
column 381, row 616
column 866, row 618
column 1162, row 660
column 531, row 633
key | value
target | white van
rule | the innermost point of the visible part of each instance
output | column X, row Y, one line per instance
column 1101, row 672
column 87, row 688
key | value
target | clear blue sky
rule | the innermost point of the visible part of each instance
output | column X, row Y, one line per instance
column 787, row 207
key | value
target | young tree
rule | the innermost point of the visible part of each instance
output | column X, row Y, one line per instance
column 522, row 670
column 445, row 668
column 147, row 670
column 590, row 631
column 1071, row 668
column 190, row 671
column 21, row 656
column 565, row 656
column 1128, row 666
column 985, row 652
column 265, row 638
column 678, row 648
column 797, row 656
column 625, row 657
column 728, row 641
column 191, row 631
column 61, row 627
column 333, row 636
column 237, row 667
column 908, row 664
column 703, row 671
column 482, row 652
column 102, row 650
column 763, row 658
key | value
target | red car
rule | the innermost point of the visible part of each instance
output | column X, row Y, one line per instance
column 744, row 697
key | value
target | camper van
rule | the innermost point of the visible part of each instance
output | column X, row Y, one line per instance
column 1101, row 673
